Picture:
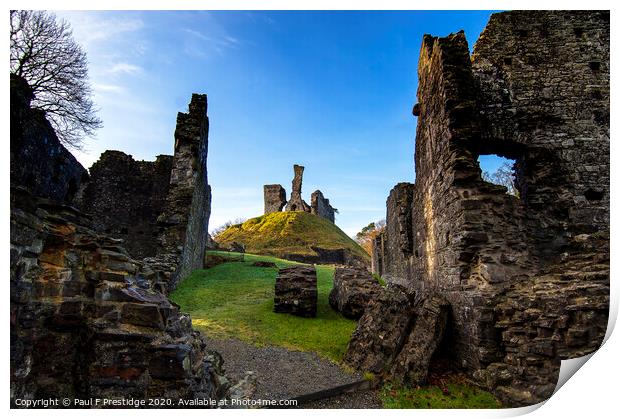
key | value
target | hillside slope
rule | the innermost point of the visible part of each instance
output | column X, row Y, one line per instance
column 296, row 236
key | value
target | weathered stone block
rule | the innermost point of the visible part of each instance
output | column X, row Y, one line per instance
column 142, row 315
column 353, row 291
column 171, row 362
column 412, row 363
column 381, row 331
column 296, row 291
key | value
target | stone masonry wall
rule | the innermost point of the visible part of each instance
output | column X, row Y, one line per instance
column 86, row 321
column 39, row 162
column 296, row 203
column 84, row 324
column 125, row 197
column 319, row 205
column 275, row 198
column 527, row 278
column 398, row 247
column 544, row 100
column 185, row 218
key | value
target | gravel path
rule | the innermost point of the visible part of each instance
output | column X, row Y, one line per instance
column 366, row 399
column 283, row 374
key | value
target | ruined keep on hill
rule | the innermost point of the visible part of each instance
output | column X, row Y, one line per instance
column 275, row 199
column 88, row 318
column 526, row 278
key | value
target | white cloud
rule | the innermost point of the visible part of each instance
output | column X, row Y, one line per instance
column 106, row 88
column 217, row 42
column 125, row 68
column 91, row 28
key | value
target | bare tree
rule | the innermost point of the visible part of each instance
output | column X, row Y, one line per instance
column 219, row 230
column 45, row 54
column 504, row 176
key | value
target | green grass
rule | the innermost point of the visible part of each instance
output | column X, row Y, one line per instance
column 380, row 280
column 281, row 233
column 455, row 394
column 235, row 300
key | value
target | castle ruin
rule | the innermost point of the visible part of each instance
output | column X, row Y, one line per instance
column 93, row 258
column 275, row 199
column 524, row 280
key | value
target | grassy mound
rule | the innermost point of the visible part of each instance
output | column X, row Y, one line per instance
column 235, row 300
column 284, row 233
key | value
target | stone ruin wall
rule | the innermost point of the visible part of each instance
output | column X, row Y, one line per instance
column 57, row 175
column 319, row 205
column 296, row 203
column 275, row 199
column 84, row 321
column 87, row 319
column 161, row 208
column 527, row 278
column 185, row 218
column 125, row 197
column 397, row 239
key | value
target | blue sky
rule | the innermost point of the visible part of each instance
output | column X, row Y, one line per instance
column 332, row 91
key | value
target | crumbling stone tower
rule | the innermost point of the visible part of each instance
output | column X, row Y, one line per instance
column 319, row 205
column 275, row 198
column 185, row 218
column 296, row 203
column 526, row 278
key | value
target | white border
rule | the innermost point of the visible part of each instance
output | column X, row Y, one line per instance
column 592, row 393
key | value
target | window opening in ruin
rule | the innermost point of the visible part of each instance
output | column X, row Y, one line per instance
column 499, row 171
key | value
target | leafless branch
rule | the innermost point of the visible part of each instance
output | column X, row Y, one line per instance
column 45, row 54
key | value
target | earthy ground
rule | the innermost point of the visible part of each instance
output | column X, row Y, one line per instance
column 366, row 399
column 283, row 374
